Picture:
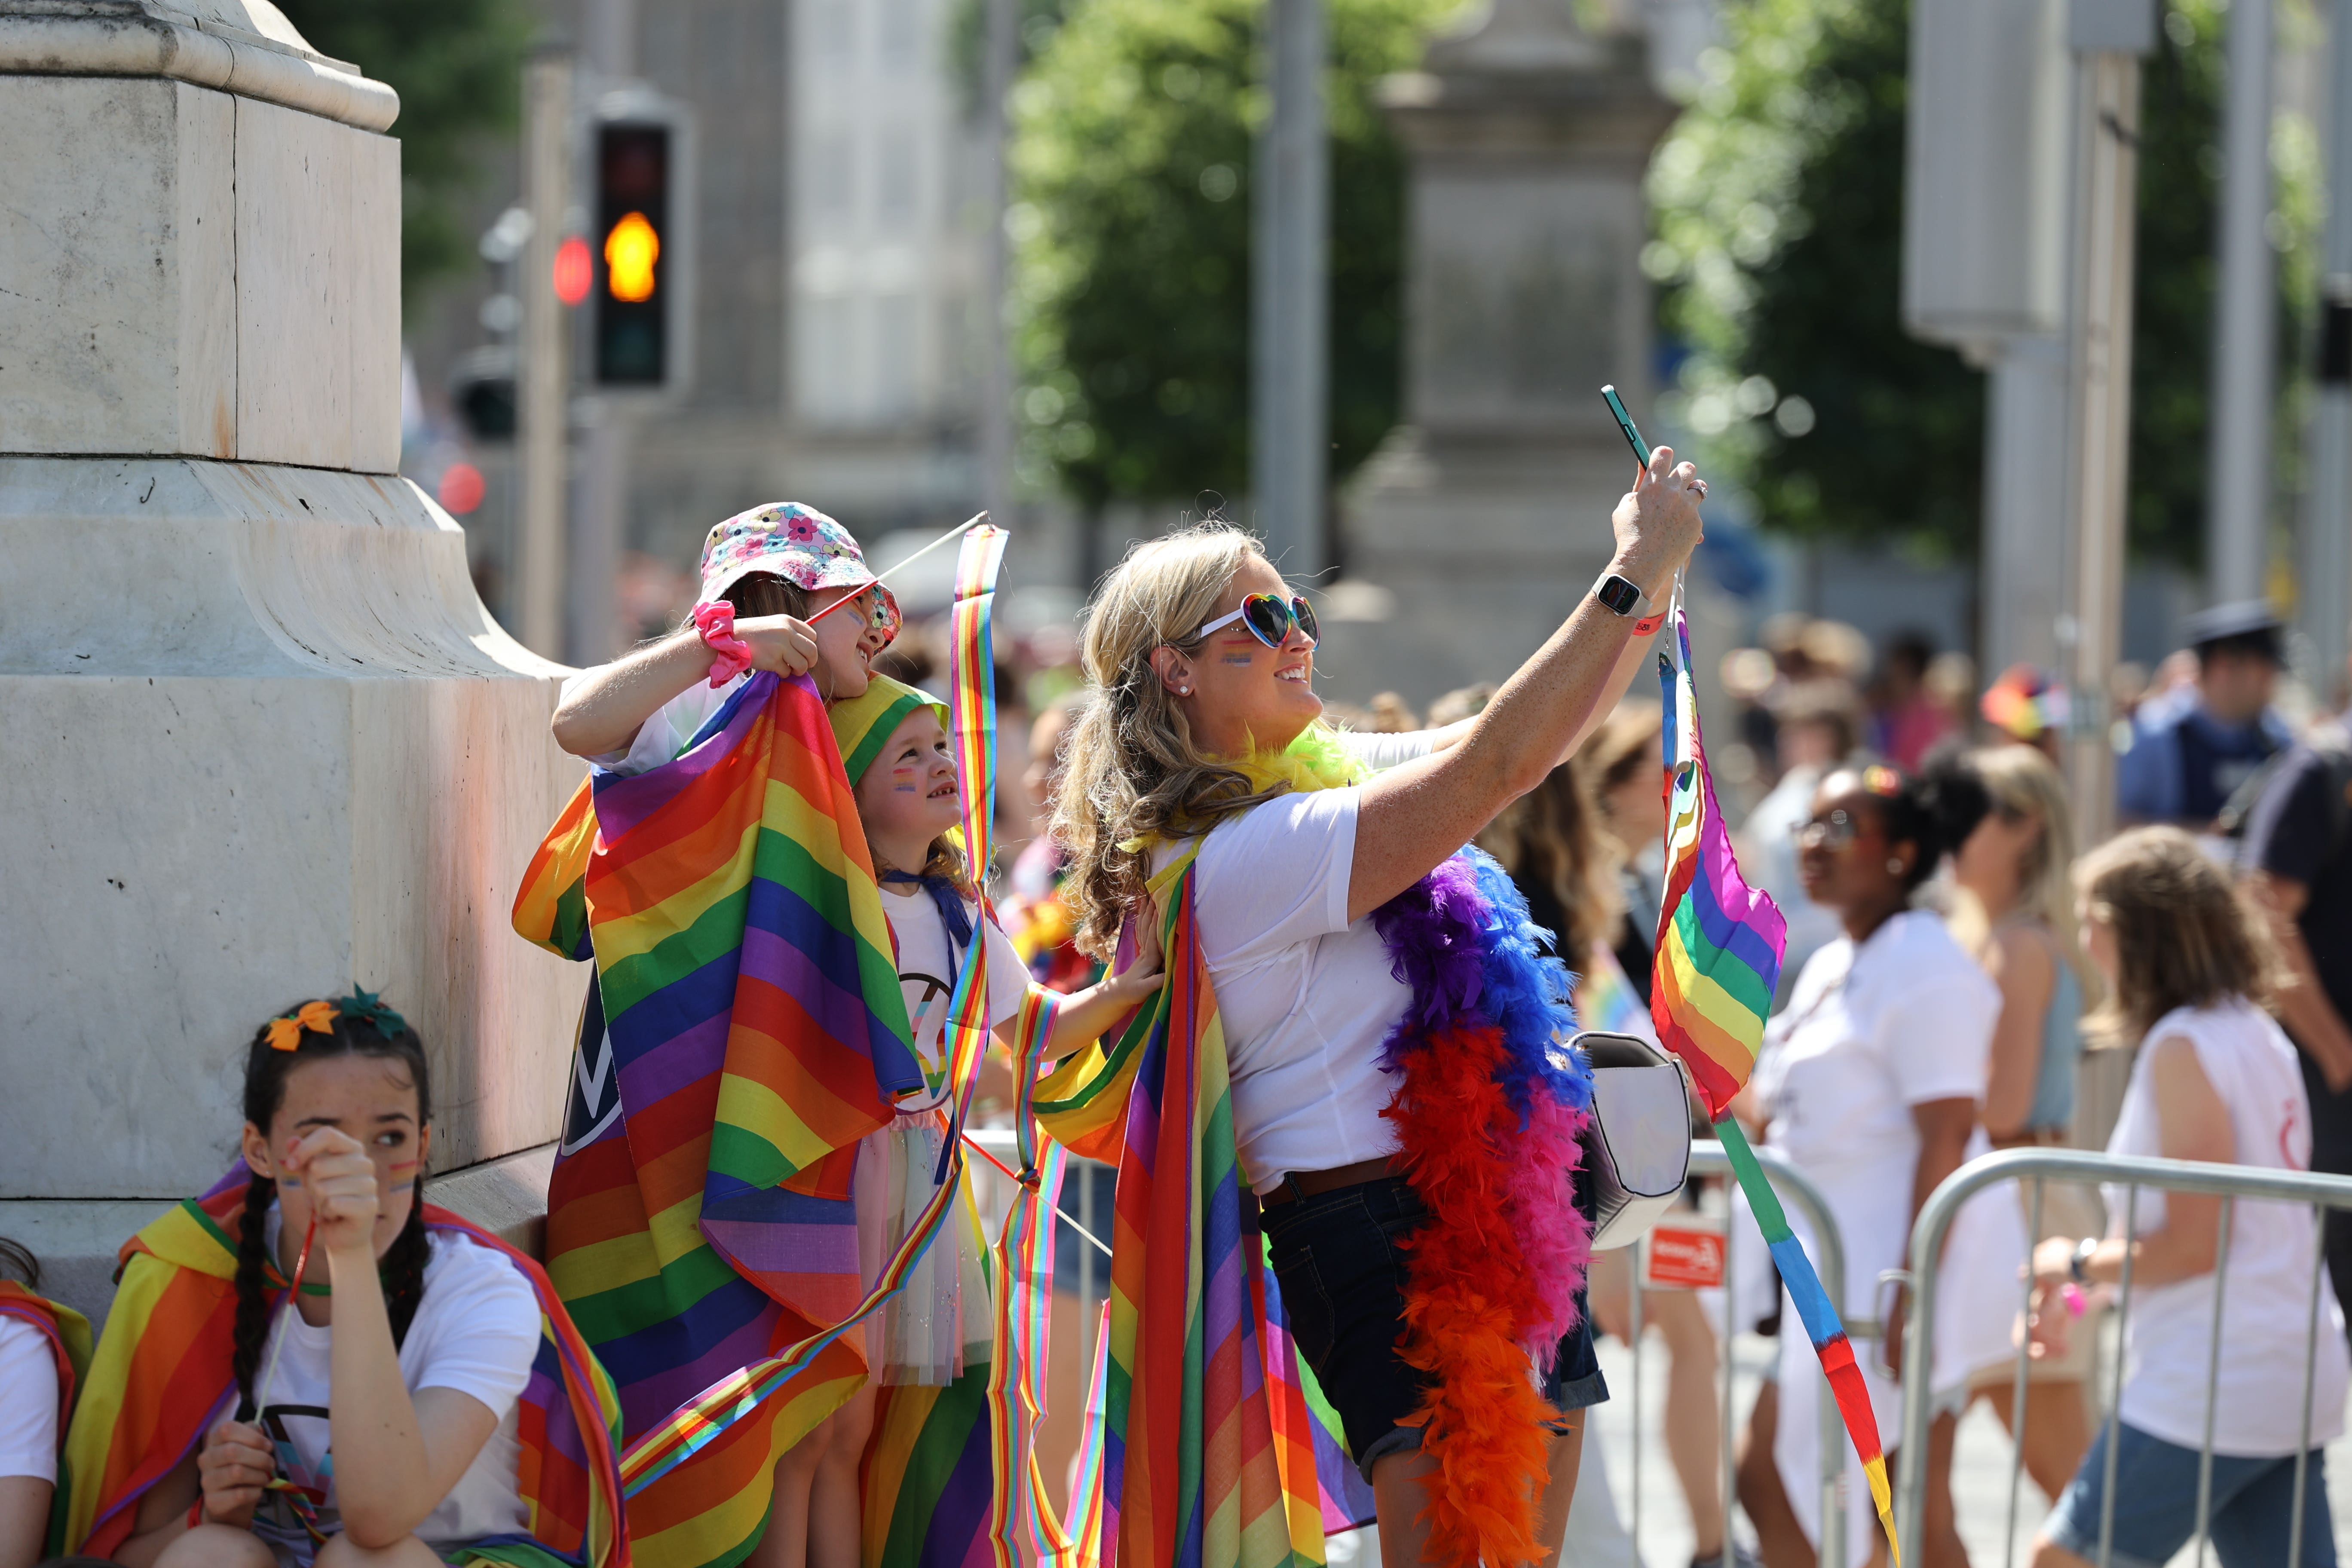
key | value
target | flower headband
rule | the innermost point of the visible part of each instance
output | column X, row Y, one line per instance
column 318, row 1018
column 1880, row 779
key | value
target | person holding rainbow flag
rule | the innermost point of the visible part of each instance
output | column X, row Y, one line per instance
column 1356, row 1039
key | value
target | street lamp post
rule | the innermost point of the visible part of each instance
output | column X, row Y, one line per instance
column 2108, row 37
column 1289, row 299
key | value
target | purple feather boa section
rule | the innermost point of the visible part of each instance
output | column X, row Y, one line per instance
column 1461, row 939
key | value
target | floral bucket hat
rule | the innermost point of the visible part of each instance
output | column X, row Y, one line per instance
column 796, row 543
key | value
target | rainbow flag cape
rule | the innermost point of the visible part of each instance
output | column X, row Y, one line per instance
column 1718, row 957
column 67, row 1333
column 162, row 1375
column 745, row 1030
column 1208, row 1446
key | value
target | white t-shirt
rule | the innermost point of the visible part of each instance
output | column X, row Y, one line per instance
column 29, row 1401
column 476, row 1330
column 928, row 969
column 661, row 738
column 2267, row 1304
column 1904, row 1018
column 1306, row 997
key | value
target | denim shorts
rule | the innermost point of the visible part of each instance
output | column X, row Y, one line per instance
column 2155, row 1505
column 1342, row 1275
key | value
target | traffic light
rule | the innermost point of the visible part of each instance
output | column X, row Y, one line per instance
column 633, row 254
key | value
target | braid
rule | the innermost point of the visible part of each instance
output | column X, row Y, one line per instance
column 252, row 1287
column 403, row 1270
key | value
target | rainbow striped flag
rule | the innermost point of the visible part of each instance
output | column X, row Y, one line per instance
column 1209, row 1446
column 746, row 1028
column 162, row 1375
column 67, row 1333
column 1718, row 957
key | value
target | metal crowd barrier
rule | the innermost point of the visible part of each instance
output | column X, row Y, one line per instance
column 2229, row 1183
column 1795, row 1191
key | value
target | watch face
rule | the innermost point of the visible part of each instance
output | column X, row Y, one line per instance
column 1618, row 594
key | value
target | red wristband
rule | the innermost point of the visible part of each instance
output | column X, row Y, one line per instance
column 1649, row 624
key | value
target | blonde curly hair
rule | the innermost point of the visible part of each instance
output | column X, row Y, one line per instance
column 1133, row 772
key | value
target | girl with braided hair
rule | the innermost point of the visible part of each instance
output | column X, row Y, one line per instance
column 369, row 1356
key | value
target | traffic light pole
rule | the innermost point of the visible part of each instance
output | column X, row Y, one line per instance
column 542, row 414
column 1002, row 43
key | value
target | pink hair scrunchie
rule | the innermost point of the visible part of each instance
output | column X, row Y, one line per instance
column 732, row 656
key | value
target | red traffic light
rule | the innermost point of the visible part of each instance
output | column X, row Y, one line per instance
column 574, row 270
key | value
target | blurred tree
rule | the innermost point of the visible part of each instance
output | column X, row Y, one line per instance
column 457, row 67
column 1131, row 165
column 1778, row 202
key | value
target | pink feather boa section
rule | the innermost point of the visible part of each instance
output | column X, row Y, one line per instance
column 1487, row 1116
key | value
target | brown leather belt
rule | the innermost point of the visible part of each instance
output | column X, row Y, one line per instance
column 1299, row 1185
column 2037, row 1138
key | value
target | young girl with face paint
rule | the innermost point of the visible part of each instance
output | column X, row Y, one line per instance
column 375, row 1417
column 894, row 747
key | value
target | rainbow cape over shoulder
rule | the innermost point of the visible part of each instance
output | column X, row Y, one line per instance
column 744, row 1030
column 162, row 1374
column 1209, row 1446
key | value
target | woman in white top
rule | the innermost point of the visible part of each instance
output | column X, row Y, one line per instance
column 389, row 1402
column 2215, row 1080
column 1200, row 656
column 30, row 1419
column 1868, row 1082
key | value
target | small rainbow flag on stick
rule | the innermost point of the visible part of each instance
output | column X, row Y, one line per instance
column 1718, row 959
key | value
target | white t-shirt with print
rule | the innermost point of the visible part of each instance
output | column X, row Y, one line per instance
column 2266, row 1306
column 29, row 1401
column 662, row 737
column 928, row 969
column 1306, row 997
column 476, row 1330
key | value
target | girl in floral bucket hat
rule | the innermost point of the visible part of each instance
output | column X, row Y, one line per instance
column 765, row 573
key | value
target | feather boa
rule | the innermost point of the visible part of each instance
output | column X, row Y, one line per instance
column 1487, row 1113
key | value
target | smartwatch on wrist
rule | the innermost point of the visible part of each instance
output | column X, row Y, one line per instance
column 2079, row 1263
column 1623, row 596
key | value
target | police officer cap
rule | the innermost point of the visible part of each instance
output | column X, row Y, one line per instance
column 2250, row 621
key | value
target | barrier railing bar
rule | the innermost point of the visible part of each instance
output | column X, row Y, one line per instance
column 1934, row 1220
column 1633, row 1313
column 1707, row 1159
column 2016, row 1387
column 2310, row 1371
column 2115, row 1398
column 2213, row 1379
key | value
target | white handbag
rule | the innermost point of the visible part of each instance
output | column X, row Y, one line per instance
column 1637, row 1142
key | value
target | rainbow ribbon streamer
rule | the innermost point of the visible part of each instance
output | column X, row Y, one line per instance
column 1024, row 1526
column 1718, row 958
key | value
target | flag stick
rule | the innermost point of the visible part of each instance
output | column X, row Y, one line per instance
column 955, row 532
column 302, row 1262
